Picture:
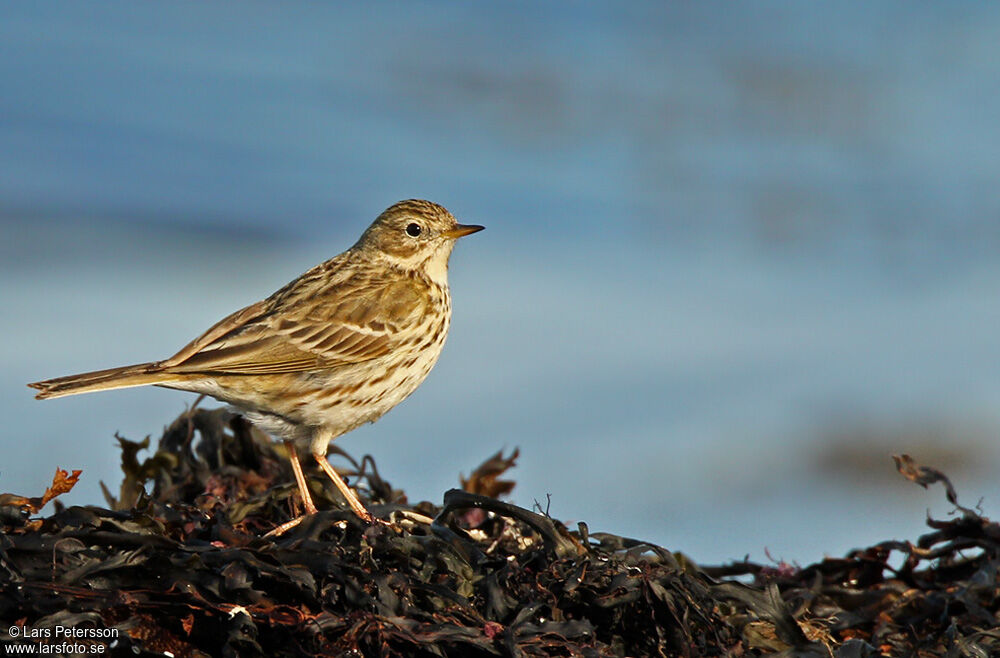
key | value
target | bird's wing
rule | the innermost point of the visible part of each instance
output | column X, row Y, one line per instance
column 308, row 325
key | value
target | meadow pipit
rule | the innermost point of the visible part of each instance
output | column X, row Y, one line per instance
column 336, row 348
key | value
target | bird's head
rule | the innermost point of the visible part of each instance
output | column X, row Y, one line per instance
column 415, row 235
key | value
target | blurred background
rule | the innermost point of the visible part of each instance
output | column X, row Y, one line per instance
column 735, row 256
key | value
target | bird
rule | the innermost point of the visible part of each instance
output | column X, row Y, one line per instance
column 334, row 349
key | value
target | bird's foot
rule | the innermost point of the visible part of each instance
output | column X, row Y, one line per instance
column 372, row 520
column 286, row 526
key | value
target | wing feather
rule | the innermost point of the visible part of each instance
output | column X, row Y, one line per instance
column 352, row 320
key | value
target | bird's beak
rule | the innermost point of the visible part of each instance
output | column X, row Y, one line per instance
column 462, row 229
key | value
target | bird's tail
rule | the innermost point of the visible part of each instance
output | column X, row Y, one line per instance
column 104, row 380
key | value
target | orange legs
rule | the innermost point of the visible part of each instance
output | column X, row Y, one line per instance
column 345, row 491
column 307, row 501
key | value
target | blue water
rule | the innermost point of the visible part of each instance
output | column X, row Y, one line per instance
column 720, row 239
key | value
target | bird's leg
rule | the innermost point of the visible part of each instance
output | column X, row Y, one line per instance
column 352, row 500
column 300, row 478
column 320, row 444
column 307, row 501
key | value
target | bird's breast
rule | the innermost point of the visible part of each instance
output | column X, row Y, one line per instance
column 347, row 397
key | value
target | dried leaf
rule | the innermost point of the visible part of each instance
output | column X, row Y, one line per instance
column 62, row 482
column 484, row 480
column 187, row 623
column 925, row 475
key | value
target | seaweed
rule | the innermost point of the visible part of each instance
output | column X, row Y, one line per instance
column 178, row 564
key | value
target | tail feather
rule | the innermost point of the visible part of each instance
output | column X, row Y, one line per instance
column 103, row 380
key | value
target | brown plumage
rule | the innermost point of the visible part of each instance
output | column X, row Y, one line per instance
column 335, row 348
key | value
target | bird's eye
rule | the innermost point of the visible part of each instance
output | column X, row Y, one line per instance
column 413, row 230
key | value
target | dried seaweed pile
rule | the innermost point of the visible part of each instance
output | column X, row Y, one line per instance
column 185, row 570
